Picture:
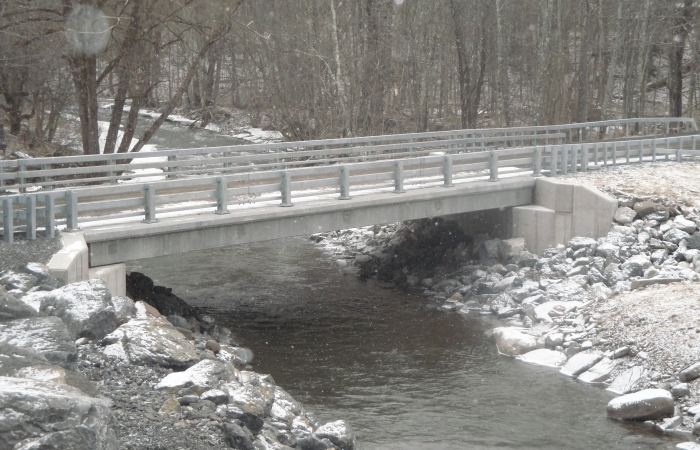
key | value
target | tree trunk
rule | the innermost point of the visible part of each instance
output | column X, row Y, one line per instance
column 679, row 34
column 582, row 106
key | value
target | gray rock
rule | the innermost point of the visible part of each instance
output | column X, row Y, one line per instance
column 515, row 341
column 627, row 381
column 511, row 249
column 675, row 236
column 490, row 249
column 598, row 373
column 47, row 336
column 85, row 307
column 684, row 224
column 567, row 290
column 579, row 242
column 608, row 250
column 338, row 433
column 238, row 437
column 689, row 373
column 580, row 363
column 37, row 408
column 659, row 216
column 149, row 341
column 18, row 281
column 203, row 376
column 649, row 404
column 624, row 215
column 504, row 284
column 680, row 390
column 621, row 352
column 526, row 259
column 659, row 256
column 645, row 207
column 621, row 236
column 694, row 241
column 123, row 308
column 217, row 396
column 11, row 308
column 544, row 357
column 636, row 265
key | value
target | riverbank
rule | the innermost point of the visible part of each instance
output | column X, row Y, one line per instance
column 82, row 369
column 598, row 310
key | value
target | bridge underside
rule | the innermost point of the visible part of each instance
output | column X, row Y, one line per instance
column 111, row 244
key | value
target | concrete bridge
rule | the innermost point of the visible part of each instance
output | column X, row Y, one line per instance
column 108, row 225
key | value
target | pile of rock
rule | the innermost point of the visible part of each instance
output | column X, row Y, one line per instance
column 82, row 369
column 548, row 301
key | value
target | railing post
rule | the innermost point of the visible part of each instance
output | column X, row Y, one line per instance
column 493, row 166
column 584, row 157
column 49, row 216
column 21, row 169
column 565, row 159
column 553, row 156
column 30, row 216
column 595, row 153
column 398, row 178
column 679, row 154
column 605, row 154
column 221, row 197
column 614, row 154
column 8, row 214
column 171, row 170
column 627, row 153
column 447, row 171
column 344, row 183
column 653, row 150
column 2, row 181
column 538, row 162
column 149, row 198
column 112, row 162
column 574, row 158
column 286, row 190
column 641, row 150
column 71, row 211
column 668, row 147
column 46, row 179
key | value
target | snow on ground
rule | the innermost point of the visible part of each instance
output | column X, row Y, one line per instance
column 156, row 174
column 259, row 136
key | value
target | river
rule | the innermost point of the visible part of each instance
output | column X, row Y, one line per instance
column 403, row 374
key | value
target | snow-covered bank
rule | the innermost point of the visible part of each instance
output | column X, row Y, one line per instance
column 85, row 370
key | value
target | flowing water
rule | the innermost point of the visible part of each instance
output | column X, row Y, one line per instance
column 403, row 374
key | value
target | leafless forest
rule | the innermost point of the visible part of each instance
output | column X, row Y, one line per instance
column 332, row 68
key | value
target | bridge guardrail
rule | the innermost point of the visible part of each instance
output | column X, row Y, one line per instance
column 209, row 161
column 110, row 167
column 32, row 212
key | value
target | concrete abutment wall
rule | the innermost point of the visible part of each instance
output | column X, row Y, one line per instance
column 71, row 264
column 560, row 211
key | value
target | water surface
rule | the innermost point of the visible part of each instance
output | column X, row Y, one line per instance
column 403, row 374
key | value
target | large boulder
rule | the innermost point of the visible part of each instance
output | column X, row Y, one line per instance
column 621, row 236
column 46, row 280
column 649, row 404
column 513, row 341
column 338, row 433
column 60, row 415
column 690, row 373
column 11, row 308
column 47, row 336
column 85, row 307
column 201, row 377
column 151, row 341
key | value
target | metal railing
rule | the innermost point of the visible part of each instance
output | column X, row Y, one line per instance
column 54, row 172
column 72, row 208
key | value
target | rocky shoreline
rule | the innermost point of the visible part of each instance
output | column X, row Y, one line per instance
column 574, row 307
column 82, row 369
